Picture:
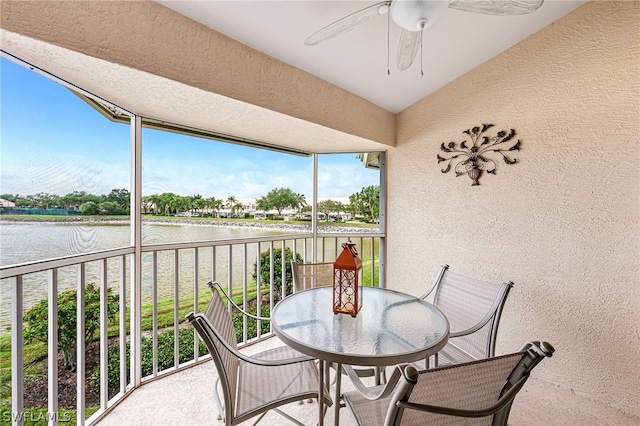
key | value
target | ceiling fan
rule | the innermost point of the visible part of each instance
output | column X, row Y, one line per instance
column 413, row 16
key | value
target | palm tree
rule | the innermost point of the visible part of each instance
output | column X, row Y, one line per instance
column 301, row 201
column 151, row 200
column 231, row 201
column 216, row 204
column 164, row 202
column 183, row 204
column 237, row 207
column 197, row 203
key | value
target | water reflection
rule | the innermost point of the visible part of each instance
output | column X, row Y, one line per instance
column 28, row 242
column 23, row 243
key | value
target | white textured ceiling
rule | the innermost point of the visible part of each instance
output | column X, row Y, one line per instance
column 357, row 61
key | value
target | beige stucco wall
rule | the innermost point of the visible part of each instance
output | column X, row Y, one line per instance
column 564, row 222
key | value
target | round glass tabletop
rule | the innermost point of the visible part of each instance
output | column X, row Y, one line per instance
column 391, row 327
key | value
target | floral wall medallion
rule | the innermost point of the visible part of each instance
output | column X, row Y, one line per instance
column 474, row 156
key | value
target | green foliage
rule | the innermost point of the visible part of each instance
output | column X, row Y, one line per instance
column 252, row 324
column 90, row 208
column 111, row 208
column 165, row 349
column 165, row 356
column 279, row 199
column 367, row 202
column 330, row 206
column 265, row 269
column 37, row 321
column 121, row 197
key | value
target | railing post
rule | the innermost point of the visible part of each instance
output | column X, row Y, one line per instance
column 123, row 324
column 176, row 309
column 283, row 270
column 244, row 291
column 258, row 290
column 230, row 273
column 314, row 212
column 17, row 354
column 104, row 335
column 271, row 272
column 382, row 220
column 52, row 359
column 154, row 326
column 196, row 289
column 80, row 345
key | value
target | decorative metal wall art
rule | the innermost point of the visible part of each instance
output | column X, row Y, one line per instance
column 473, row 159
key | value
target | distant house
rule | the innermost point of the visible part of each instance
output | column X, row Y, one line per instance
column 7, row 204
column 149, row 207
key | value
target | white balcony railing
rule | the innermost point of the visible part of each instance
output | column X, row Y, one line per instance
column 173, row 283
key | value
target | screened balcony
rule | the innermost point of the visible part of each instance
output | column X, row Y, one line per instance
column 562, row 223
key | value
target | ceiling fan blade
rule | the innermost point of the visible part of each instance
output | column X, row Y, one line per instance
column 348, row 23
column 408, row 45
column 497, row 7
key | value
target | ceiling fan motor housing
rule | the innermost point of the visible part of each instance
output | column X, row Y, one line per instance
column 416, row 15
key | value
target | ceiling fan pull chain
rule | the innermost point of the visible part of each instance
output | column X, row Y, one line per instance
column 421, row 49
column 388, row 44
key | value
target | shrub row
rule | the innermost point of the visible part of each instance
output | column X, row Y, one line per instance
column 166, row 350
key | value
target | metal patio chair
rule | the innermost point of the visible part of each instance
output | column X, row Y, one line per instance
column 473, row 309
column 477, row 392
column 312, row 275
column 252, row 385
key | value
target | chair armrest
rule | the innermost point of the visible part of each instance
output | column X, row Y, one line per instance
column 436, row 281
column 411, row 374
column 478, row 325
column 490, row 314
column 213, row 284
column 366, row 391
column 202, row 324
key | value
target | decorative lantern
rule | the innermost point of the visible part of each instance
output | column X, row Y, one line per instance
column 346, row 279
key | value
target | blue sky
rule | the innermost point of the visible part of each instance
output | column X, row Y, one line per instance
column 51, row 141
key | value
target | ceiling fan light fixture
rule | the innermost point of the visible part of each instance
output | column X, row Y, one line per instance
column 416, row 15
column 413, row 16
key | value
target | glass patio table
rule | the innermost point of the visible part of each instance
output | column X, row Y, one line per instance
column 390, row 328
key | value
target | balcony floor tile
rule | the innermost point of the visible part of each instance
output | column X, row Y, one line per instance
column 185, row 398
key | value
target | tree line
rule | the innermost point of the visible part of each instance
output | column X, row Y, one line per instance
column 115, row 202
column 365, row 203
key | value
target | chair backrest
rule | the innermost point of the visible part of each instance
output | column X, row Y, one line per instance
column 215, row 328
column 311, row 275
column 469, row 303
column 483, row 390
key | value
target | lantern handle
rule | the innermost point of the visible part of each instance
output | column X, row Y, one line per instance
column 351, row 246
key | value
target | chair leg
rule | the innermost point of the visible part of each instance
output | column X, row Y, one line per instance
column 217, row 398
column 336, row 409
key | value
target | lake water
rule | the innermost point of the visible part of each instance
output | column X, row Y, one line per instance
column 27, row 242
